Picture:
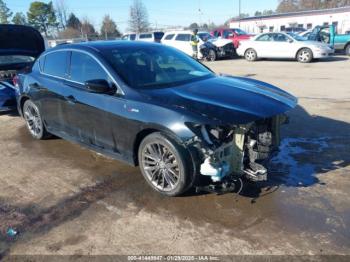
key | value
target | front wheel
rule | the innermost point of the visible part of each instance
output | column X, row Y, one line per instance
column 33, row 120
column 250, row 55
column 211, row 55
column 305, row 55
column 164, row 165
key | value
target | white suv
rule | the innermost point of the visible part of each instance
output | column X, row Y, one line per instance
column 150, row 37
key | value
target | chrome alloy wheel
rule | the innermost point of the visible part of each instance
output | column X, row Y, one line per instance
column 250, row 55
column 33, row 120
column 161, row 166
column 304, row 56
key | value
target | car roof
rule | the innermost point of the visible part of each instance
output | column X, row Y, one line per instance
column 179, row 32
column 103, row 45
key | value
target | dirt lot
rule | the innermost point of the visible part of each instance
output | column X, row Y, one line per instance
column 67, row 200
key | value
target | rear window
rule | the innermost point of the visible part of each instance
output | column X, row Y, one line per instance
column 15, row 59
column 183, row 37
column 169, row 37
column 143, row 36
column 55, row 63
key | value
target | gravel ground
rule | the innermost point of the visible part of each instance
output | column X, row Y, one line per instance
column 67, row 200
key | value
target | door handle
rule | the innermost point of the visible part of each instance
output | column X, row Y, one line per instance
column 71, row 99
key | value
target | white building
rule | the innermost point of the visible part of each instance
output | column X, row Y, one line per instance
column 306, row 19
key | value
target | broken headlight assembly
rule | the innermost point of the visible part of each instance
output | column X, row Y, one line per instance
column 237, row 150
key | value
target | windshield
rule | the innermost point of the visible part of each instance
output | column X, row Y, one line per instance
column 15, row 59
column 155, row 66
column 240, row 32
column 205, row 36
column 297, row 37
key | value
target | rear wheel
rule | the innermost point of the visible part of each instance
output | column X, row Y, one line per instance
column 33, row 120
column 347, row 50
column 305, row 55
column 250, row 55
column 164, row 165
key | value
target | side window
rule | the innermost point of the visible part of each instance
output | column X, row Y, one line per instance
column 183, row 37
column 169, row 37
column 56, row 63
column 265, row 37
column 132, row 37
column 227, row 33
column 144, row 36
column 280, row 38
column 84, row 67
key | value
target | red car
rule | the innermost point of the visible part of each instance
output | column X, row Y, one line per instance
column 235, row 34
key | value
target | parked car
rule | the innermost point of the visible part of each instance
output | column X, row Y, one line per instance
column 236, row 35
column 181, row 40
column 296, row 30
column 282, row 45
column 327, row 34
column 150, row 37
column 129, row 37
column 305, row 34
column 19, row 47
column 224, row 47
column 177, row 119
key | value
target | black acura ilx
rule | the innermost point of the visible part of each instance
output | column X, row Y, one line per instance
column 153, row 106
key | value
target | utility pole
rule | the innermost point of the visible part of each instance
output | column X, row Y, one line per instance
column 239, row 13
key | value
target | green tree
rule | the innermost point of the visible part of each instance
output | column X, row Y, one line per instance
column 73, row 22
column 138, row 21
column 19, row 19
column 193, row 26
column 285, row 6
column 87, row 29
column 42, row 17
column 258, row 13
column 5, row 13
column 109, row 28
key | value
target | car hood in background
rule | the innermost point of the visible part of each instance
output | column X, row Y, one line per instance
column 225, row 99
column 220, row 42
column 20, row 40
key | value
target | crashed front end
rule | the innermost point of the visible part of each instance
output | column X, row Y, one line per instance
column 237, row 150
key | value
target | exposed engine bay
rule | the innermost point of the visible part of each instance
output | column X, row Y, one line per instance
column 8, row 75
column 239, row 151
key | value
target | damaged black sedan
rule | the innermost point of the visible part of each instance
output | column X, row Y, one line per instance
column 153, row 106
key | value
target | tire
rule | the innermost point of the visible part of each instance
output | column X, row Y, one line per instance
column 304, row 55
column 347, row 50
column 33, row 120
column 211, row 57
column 165, row 165
column 250, row 55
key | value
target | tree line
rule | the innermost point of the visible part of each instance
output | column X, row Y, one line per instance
column 54, row 20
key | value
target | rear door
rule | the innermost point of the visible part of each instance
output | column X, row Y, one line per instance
column 50, row 90
column 182, row 42
column 88, row 112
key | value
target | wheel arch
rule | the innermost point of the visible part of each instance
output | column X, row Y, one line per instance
column 144, row 133
column 22, row 100
column 301, row 48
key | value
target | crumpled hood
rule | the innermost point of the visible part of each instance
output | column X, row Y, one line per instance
column 20, row 40
column 220, row 42
column 226, row 100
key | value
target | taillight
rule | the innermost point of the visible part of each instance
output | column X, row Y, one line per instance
column 15, row 81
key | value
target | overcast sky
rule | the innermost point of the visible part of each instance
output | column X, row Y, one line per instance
column 161, row 12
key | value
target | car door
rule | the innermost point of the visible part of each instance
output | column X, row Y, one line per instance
column 88, row 112
column 262, row 45
column 182, row 42
column 50, row 90
column 282, row 46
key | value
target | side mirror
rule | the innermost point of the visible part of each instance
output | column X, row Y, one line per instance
column 97, row 86
column 290, row 41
